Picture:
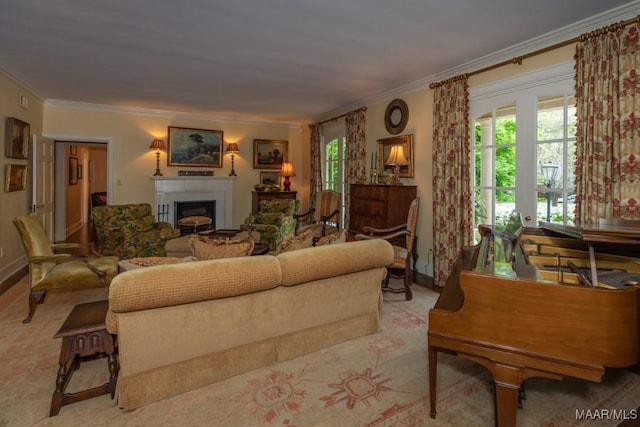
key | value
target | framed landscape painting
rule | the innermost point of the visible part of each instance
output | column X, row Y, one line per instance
column 16, row 179
column 17, row 139
column 194, row 147
column 269, row 153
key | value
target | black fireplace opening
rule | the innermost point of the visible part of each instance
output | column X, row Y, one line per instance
column 205, row 208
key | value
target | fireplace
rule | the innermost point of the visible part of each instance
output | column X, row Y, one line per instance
column 192, row 191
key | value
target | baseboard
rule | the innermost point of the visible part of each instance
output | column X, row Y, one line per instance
column 6, row 284
column 426, row 281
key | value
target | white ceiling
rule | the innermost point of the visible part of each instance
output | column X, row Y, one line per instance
column 289, row 61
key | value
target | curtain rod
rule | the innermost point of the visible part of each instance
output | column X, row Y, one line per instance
column 518, row 59
column 341, row 116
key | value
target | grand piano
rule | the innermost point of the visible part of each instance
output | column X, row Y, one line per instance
column 529, row 302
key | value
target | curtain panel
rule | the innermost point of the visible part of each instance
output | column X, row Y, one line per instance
column 355, row 156
column 608, row 131
column 452, row 212
column 316, row 163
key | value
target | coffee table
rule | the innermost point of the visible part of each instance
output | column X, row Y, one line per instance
column 84, row 336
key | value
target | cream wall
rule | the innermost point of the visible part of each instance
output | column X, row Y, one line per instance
column 18, row 202
column 129, row 136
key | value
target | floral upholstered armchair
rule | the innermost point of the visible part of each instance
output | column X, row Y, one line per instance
column 274, row 222
column 130, row 231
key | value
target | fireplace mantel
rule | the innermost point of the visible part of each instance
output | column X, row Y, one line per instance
column 172, row 189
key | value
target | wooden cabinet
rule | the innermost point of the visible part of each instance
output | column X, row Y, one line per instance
column 258, row 196
column 379, row 206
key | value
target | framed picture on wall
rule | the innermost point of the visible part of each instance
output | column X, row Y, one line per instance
column 17, row 139
column 269, row 153
column 384, row 149
column 16, row 179
column 271, row 179
column 73, row 170
column 194, row 147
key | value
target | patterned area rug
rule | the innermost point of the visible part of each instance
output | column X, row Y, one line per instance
column 376, row 380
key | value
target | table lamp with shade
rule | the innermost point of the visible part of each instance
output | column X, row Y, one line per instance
column 158, row 145
column 396, row 159
column 232, row 148
column 287, row 171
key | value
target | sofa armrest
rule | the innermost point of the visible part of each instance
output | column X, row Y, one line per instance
column 305, row 265
column 185, row 283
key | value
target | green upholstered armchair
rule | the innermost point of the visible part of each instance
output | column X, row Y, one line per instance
column 58, row 271
column 274, row 222
column 130, row 231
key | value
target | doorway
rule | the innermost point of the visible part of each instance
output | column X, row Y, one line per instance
column 81, row 168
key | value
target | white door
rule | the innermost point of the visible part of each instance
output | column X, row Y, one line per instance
column 43, row 182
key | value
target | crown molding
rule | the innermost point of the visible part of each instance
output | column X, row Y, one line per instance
column 22, row 85
column 58, row 103
column 621, row 13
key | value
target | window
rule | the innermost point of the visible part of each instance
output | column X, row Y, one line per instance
column 520, row 125
column 333, row 160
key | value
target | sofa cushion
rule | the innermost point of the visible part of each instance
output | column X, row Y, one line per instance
column 204, row 248
column 293, row 242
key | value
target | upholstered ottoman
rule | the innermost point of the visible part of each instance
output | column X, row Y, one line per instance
column 135, row 263
column 179, row 247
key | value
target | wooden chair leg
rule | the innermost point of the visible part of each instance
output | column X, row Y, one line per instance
column 35, row 298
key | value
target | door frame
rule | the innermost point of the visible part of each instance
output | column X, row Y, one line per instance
column 61, row 141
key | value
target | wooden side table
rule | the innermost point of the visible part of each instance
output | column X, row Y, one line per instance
column 84, row 335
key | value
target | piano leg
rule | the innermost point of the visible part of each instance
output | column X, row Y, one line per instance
column 433, row 372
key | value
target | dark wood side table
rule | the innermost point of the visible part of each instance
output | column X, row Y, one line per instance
column 84, row 335
column 259, row 196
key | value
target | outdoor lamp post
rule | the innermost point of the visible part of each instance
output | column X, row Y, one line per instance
column 549, row 172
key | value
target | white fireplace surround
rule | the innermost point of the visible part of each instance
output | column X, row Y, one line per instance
column 172, row 189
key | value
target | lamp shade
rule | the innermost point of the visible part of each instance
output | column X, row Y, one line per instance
column 397, row 156
column 157, row 144
column 232, row 147
column 287, row 169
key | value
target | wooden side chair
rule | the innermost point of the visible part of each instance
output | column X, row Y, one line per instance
column 324, row 218
column 56, row 271
column 403, row 254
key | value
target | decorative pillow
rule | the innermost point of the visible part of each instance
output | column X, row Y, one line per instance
column 337, row 237
column 301, row 241
column 135, row 263
column 204, row 248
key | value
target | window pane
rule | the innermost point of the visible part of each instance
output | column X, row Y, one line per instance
column 506, row 167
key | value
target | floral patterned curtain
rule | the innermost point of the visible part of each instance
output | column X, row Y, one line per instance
column 355, row 156
column 316, row 163
column 452, row 212
column 608, row 131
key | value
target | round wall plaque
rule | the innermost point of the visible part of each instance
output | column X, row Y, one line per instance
column 396, row 116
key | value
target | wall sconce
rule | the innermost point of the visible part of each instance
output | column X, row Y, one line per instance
column 396, row 159
column 232, row 148
column 158, row 145
column 287, row 171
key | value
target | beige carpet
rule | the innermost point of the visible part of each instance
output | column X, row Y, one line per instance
column 377, row 380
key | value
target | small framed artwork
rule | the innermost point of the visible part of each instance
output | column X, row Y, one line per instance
column 384, row 149
column 73, row 170
column 16, row 178
column 17, row 139
column 194, row 147
column 269, row 153
column 271, row 179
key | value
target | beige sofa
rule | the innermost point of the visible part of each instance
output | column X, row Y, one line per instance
column 183, row 326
